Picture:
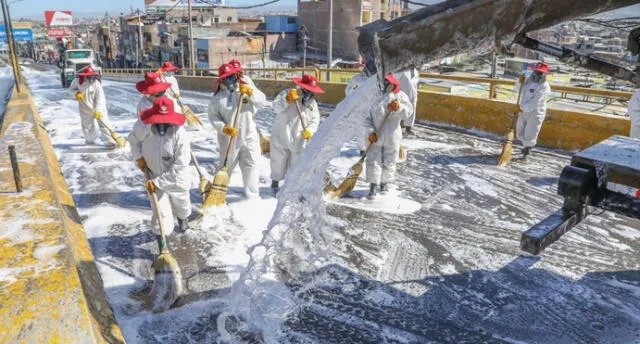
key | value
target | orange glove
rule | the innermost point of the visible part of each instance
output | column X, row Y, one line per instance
column 79, row 96
column 231, row 131
column 518, row 108
column 151, row 187
column 292, row 95
column 373, row 138
column 307, row 134
column 245, row 89
column 142, row 165
column 394, row 106
column 521, row 79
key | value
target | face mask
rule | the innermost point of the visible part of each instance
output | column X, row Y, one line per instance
column 157, row 95
column 162, row 128
column 171, row 73
column 230, row 82
column 306, row 96
column 388, row 87
column 536, row 76
column 91, row 79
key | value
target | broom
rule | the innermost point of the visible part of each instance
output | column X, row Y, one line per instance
column 304, row 127
column 217, row 196
column 402, row 154
column 192, row 119
column 205, row 185
column 507, row 148
column 120, row 141
column 354, row 173
column 167, row 283
column 265, row 142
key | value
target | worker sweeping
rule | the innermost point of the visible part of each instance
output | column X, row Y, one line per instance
column 152, row 87
column 354, row 84
column 160, row 143
column 92, row 105
column 409, row 80
column 634, row 115
column 297, row 118
column 533, row 107
column 385, row 135
column 245, row 150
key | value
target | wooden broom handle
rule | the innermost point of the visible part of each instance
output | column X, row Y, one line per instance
column 304, row 127
column 156, row 210
column 235, row 123
column 386, row 116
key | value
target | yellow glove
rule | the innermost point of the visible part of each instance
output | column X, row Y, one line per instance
column 394, row 106
column 142, row 164
column 231, row 131
column 97, row 115
column 521, row 79
column 307, row 134
column 292, row 95
column 151, row 186
column 373, row 138
column 177, row 95
column 79, row 96
column 518, row 108
column 245, row 89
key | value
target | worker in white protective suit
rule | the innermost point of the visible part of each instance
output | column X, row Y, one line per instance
column 532, row 107
column 160, row 143
column 354, row 84
column 409, row 80
column 167, row 72
column 92, row 105
column 152, row 87
column 634, row 115
column 245, row 150
column 385, row 136
column 288, row 134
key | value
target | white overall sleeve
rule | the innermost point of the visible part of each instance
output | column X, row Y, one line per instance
column 135, row 140
column 258, row 99
column 314, row 118
column 100, row 99
column 280, row 104
column 215, row 116
column 174, row 179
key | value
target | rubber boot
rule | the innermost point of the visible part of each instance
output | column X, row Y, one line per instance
column 362, row 153
column 275, row 187
column 384, row 188
column 373, row 190
column 183, row 225
column 409, row 131
column 526, row 151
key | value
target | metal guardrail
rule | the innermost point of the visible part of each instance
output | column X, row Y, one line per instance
column 584, row 94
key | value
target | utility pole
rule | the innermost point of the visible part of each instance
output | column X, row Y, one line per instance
column 330, row 48
column 192, row 60
column 12, row 52
column 184, row 63
column 140, row 45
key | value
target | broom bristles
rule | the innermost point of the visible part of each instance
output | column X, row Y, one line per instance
column 204, row 186
column 217, row 194
column 167, row 286
column 120, row 142
column 402, row 154
column 265, row 144
column 350, row 182
column 192, row 119
column 507, row 149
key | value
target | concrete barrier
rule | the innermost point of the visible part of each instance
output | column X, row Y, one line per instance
column 572, row 130
column 50, row 288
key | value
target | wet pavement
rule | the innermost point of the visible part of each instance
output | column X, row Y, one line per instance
column 449, row 272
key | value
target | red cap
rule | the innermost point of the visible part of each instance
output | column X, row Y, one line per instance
column 168, row 67
column 88, row 71
column 225, row 70
column 542, row 67
column 309, row 83
column 392, row 79
column 152, row 83
column 236, row 64
column 162, row 112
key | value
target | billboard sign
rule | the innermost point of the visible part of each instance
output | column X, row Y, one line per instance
column 182, row 3
column 19, row 35
column 59, row 32
column 58, row 18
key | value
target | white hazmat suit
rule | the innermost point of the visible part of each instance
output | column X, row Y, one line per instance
column 287, row 141
column 245, row 150
column 94, row 101
column 353, row 85
column 409, row 81
column 533, row 103
column 383, row 155
column 168, row 158
column 634, row 115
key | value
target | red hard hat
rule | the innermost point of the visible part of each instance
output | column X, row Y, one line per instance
column 88, row 71
column 308, row 82
column 162, row 112
column 236, row 64
column 152, row 83
column 542, row 67
column 225, row 70
column 392, row 79
column 168, row 67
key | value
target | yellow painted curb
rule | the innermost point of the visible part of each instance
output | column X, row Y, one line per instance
column 50, row 288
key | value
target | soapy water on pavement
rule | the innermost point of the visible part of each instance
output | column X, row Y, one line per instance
column 299, row 232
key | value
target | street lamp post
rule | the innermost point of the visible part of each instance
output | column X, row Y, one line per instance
column 330, row 48
column 192, row 60
column 12, row 52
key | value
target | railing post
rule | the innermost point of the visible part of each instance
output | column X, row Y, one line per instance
column 492, row 90
column 15, row 167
